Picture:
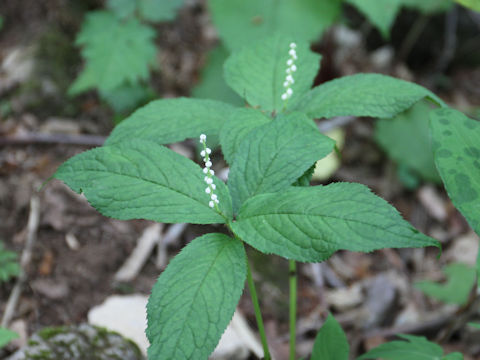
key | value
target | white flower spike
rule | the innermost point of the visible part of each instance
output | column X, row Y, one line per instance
column 205, row 153
column 291, row 68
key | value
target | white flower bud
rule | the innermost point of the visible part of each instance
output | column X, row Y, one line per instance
column 213, row 186
column 208, row 190
column 214, row 197
column 293, row 45
column 290, row 62
column 209, row 181
column 216, row 201
column 292, row 53
column 289, row 78
column 208, row 150
column 286, row 84
column 293, row 68
column 211, row 204
column 203, row 138
column 212, row 172
column 202, row 153
column 208, row 164
column 289, row 92
column 205, row 170
column 284, row 97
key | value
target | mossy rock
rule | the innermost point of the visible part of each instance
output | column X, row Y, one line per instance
column 77, row 343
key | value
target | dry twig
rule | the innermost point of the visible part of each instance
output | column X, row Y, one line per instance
column 32, row 226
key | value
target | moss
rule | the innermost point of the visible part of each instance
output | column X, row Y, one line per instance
column 52, row 331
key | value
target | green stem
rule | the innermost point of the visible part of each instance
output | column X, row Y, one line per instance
column 258, row 314
column 292, row 267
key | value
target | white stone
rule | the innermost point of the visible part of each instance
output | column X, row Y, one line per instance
column 126, row 315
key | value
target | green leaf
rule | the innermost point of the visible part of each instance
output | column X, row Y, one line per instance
column 414, row 348
column 127, row 97
column 195, row 298
column 116, row 52
column 9, row 266
column 122, row 8
column 144, row 180
column 212, row 84
column 240, row 22
column 330, row 342
column 453, row 356
column 150, row 10
column 273, row 157
column 456, row 145
column 382, row 14
column 471, row 4
column 240, row 123
column 429, row 6
column 475, row 325
column 311, row 223
column 406, row 139
column 159, row 10
column 372, row 95
column 257, row 72
column 6, row 336
column 169, row 120
column 478, row 268
column 460, row 281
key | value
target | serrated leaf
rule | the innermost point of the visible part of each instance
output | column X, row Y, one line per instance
column 382, row 14
column 212, row 85
column 460, row 281
column 237, row 126
column 159, row 10
column 195, row 298
column 456, row 145
column 330, row 342
column 471, row 4
column 257, row 72
column 311, row 223
column 9, row 266
column 406, row 139
column 116, row 52
column 144, row 180
column 6, row 336
column 372, row 95
column 170, row 120
column 274, row 156
column 414, row 348
column 241, row 22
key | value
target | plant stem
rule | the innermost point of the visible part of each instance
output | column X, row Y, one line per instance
column 292, row 267
column 258, row 314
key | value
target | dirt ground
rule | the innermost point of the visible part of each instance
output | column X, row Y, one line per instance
column 78, row 251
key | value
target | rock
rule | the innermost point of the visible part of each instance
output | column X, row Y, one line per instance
column 380, row 301
column 345, row 298
column 79, row 342
column 111, row 314
column 464, row 249
column 237, row 341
